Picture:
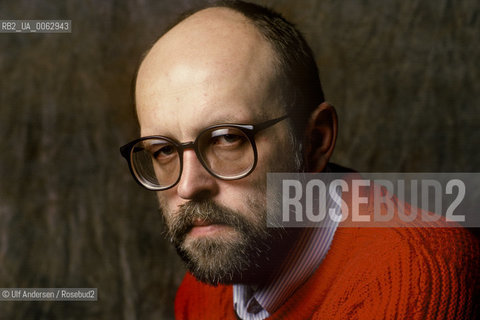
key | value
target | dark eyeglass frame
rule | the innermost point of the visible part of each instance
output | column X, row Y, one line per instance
column 248, row 129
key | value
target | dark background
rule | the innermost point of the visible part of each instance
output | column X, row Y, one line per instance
column 403, row 75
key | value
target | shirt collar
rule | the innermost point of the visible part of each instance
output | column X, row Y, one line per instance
column 302, row 261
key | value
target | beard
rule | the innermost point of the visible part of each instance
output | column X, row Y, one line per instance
column 241, row 253
column 246, row 251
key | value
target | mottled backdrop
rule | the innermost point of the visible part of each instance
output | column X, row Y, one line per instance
column 403, row 75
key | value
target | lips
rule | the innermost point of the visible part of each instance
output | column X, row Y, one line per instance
column 198, row 219
column 201, row 223
column 204, row 227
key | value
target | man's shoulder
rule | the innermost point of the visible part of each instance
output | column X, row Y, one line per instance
column 411, row 244
column 402, row 271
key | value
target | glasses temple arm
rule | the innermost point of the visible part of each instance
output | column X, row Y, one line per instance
column 269, row 123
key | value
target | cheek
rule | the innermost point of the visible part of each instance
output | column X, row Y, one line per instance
column 275, row 149
column 167, row 202
column 246, row 196
column 278, row 158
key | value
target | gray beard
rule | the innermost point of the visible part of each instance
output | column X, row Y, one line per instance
column 240, row 255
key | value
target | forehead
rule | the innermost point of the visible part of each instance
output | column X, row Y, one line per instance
column 213, row 67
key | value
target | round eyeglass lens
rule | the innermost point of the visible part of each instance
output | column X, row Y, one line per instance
column 227, row 152
column 156, row 163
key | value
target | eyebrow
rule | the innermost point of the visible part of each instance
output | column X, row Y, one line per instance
column 226, row 120
column 223, row 119
column 156, row 143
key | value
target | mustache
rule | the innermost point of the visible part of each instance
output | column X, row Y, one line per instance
column 206, row 211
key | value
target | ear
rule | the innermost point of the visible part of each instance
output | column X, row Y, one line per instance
column 320, row 137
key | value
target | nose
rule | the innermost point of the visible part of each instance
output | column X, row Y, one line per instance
column 195, row 181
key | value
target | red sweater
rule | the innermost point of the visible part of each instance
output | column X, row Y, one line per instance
column 369, row 273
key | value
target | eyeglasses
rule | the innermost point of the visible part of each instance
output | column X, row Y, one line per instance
column 226, row 151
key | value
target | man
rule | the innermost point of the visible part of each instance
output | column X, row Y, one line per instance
column 230, row 93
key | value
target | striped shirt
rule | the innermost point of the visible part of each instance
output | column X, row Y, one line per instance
column 307, row 254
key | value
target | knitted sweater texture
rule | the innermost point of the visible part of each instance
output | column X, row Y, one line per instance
column 369, row 273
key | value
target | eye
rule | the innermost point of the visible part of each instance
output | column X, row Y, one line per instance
column 227, row 139
column 223, row 139
column 161, row 151
column 165, row 151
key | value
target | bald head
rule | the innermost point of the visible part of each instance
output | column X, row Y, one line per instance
column 291, row 58
column 218, row 34
column 212, row 61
